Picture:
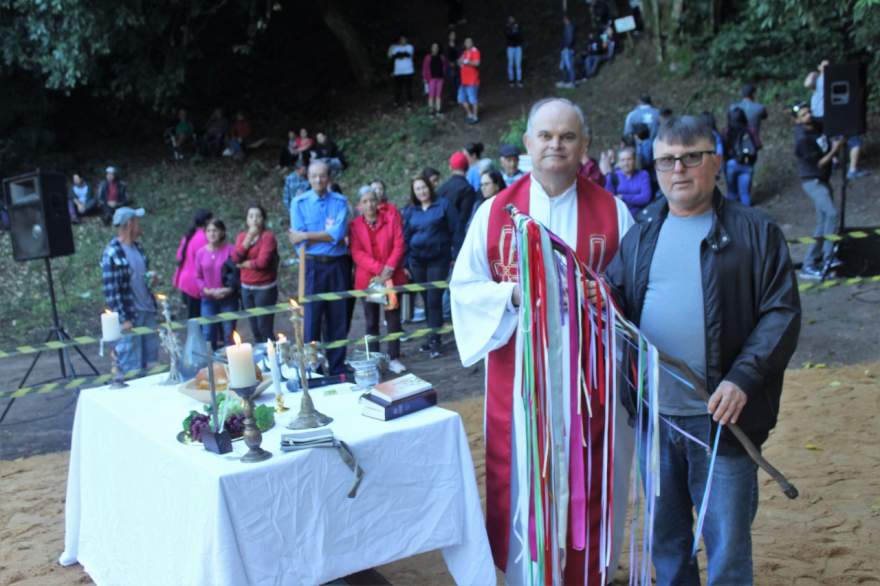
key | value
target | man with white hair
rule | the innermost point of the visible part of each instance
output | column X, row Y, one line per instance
column 485, row 305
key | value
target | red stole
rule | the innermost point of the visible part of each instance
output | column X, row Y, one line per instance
column 597, row 240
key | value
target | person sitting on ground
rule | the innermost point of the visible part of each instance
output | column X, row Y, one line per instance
column 401, row 56
column 185, row 274
column 377, row 249
column 287, row 157
column 609, row 41
column 631, row 185
column 81, row 200
column 741, row 153
column 433, row 176
column 112, row 194
column 256, row 255
column 182, row 134
column 457, row 189
column 594, row 56
column 127, row 282
column 304, row 144
column 217, row 280
column 509, row 157
column 644, row 112
column 215, row 133
column 325, row 150
column 434, row 68
column 429, row 227
column 239, row 132
column 296, row 182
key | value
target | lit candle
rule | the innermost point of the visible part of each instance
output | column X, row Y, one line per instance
column 111, row 329
column 241, row 364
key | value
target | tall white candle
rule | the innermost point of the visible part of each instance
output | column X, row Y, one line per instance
column 275, row 365
column 241, row 364
column 111, row 329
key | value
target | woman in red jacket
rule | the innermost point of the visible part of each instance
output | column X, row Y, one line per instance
column 256, row 255
column 377, row 250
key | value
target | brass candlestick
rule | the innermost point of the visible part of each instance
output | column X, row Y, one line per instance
column 170, row 343
column 308, row 417
column 117, row 377
column 252, row 436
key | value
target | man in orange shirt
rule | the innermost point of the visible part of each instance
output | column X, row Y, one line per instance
column 468, row 91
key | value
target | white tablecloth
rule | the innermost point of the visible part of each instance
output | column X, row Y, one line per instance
column 143, row 509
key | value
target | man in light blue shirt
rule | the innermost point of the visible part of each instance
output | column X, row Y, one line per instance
column 319, row 221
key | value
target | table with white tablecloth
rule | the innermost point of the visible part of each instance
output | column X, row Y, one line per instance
column 144, row 509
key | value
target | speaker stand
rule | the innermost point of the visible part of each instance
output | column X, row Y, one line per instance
column 56, row 333
column 841, row 224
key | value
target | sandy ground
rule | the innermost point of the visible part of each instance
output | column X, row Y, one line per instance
column 826, row 444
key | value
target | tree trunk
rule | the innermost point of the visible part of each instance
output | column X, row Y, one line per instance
column 336, row 17
column 652, row 21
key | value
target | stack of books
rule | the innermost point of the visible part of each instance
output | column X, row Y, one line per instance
column 398, row 397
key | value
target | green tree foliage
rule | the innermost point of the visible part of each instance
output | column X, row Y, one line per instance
column 784, row 39
column 121, row 48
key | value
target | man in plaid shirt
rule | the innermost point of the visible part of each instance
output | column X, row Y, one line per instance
column 127, row 280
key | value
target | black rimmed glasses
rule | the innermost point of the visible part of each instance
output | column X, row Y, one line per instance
column 689, row 160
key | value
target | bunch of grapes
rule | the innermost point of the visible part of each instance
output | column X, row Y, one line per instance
column 235, row 424
column 197, row 426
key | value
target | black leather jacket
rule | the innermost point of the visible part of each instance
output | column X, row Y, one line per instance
column 751, row 302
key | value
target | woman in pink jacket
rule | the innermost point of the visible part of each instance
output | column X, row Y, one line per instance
column 377, row 250
column 185, row 274
column 434, row 68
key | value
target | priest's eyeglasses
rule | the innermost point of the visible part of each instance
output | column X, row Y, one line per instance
column 690, row 160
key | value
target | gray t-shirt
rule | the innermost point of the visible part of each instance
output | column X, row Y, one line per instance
column 143, row 300
column 754, row 111
column 673, row 317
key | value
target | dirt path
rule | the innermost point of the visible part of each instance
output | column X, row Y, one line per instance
column 825, row 443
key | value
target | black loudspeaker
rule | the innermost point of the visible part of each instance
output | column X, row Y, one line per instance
column 39, row 221
column 860, row 256
column 846, row 100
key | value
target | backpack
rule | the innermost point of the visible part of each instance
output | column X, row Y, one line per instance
column 745, row 150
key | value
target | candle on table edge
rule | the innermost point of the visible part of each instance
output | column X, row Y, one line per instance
column 241, row 364
column 111, row 329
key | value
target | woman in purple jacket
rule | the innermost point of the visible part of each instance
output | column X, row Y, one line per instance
column 631, row 185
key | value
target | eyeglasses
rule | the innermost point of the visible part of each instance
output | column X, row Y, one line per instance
column 689, row 160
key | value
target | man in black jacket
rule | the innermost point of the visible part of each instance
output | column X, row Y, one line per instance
column 462, row 197
column 710, row 282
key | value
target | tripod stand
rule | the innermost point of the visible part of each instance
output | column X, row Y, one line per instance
column 56, row 333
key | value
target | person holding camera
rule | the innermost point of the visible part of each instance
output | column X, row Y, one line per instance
column 814, row 153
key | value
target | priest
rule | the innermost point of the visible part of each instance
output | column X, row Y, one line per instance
column 485, row 300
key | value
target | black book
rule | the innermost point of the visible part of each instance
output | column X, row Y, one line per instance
column 374, row 409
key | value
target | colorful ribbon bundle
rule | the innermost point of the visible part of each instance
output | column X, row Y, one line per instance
column 570, row 411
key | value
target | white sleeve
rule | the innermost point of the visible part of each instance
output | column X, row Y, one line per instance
column 483, row 318
column 624, row 218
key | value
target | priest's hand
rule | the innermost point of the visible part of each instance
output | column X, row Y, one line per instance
column 727, row 402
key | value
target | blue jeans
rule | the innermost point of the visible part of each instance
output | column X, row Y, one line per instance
column 137, row 352
column 219, row 334
column 822, row 250
column 327, row 321
column 514, row 64
column 566, row 64
column 435, row 269
column 733, row 502
column 739, row 181
column 591, row 65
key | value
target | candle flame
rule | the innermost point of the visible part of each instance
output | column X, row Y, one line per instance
column 294, row 305
column 281, row 337
column 160, row 297
column 107, row 311
column 236, row 338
